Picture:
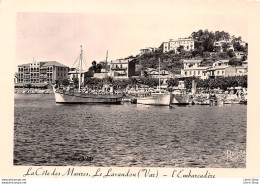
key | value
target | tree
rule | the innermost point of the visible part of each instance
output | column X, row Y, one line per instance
column 76, row 82
column 230, row 53
column 93, row 68
column 98, row 68
column 235, row 62
column 225, row 46
column 180, row 48
column 65, row 82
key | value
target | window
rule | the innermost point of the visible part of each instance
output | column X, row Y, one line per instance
column 218, row 72
column 222, row 72
column 198, row 72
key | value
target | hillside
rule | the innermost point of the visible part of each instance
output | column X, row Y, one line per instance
column 205, row 49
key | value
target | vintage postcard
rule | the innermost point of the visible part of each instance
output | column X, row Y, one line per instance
column 133, row 89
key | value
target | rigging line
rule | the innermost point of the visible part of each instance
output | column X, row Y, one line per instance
column 75, row 61
column 84, row 62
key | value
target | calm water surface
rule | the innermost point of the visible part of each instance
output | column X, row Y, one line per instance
column 127, row 135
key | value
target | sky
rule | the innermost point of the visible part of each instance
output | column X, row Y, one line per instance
column 58, row 36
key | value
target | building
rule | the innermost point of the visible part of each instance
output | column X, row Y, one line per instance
column 192, row 68
column 147, row 50
column 123, row 67
column 42, row 72
column 218, row 71
column 241, row 70
column 220, row 63
column 220, row 44
column 239, row 55
column 243, row 43
column 172, row 45
column 245, row 63
column 221, row 68
column 156, row 74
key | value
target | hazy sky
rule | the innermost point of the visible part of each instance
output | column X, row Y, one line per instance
column 58, row 36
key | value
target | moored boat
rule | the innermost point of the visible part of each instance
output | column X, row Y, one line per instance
column 158, row 97
column 71, row 95
column 180, row 96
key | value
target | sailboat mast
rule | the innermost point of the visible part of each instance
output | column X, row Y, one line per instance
column 106, row 65
column 159, row 76
column 80, row 66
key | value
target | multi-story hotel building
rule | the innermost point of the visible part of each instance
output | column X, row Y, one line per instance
column 187, row 43
column 42, row 72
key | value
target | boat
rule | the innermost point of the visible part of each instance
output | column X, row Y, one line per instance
column 231, row 97
column 70, row 95
column 179, row 95
column 216, row 99
column 159, row 98
column 201, row 99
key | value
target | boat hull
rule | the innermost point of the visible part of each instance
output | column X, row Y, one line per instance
column 181, row 99
column 158, row 100
column 81, row 98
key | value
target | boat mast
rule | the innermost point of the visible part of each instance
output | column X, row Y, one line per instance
column 159, row 76
column 80, row 65
column 106, row 65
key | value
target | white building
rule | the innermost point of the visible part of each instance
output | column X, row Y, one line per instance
column 221, row 63
column 192, row 68
column 187, row 43
column 221, row 42
column 239, row 55
column 147, row 50
column 123, row 67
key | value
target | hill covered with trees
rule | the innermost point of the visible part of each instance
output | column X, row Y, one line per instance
column 204, row 49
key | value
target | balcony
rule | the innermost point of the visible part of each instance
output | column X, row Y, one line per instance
column 43, row 76
column 115, row 68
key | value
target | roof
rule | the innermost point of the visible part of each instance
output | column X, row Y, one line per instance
column 218, row 67
column 223, row 61
column 24, row 65
column 52, row 63
column 46, row 63
column 181, row 39
column 77, row 72
column 241, row 67
column 197, row 68
column 191, row 61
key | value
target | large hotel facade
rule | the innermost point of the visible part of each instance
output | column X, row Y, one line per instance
column 42, row 72
column 172, row 45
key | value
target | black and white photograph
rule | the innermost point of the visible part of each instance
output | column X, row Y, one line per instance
column 130, row 90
